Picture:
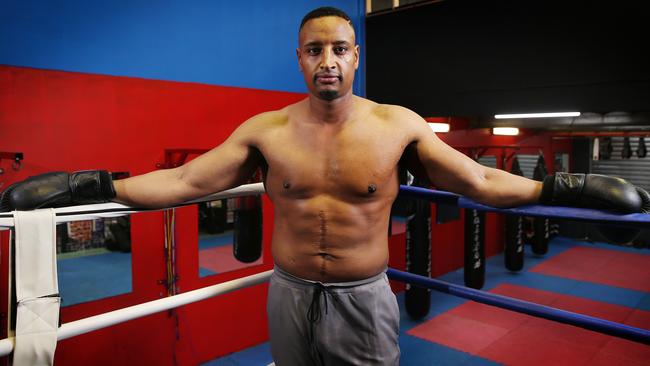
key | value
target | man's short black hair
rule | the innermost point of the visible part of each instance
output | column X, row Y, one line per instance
column 325, row 11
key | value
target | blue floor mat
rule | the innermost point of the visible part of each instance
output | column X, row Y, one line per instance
column 94, row 277
column 211, row 241
column 254, row 356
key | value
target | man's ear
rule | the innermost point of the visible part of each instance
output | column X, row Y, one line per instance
column 356, row 56
column 299, row 55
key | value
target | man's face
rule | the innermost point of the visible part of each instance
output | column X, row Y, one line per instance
column 328, row 56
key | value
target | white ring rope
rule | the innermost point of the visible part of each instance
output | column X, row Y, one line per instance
column 86, row 325
column 103, row 210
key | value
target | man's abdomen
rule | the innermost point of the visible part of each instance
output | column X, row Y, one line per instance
column 328, row 240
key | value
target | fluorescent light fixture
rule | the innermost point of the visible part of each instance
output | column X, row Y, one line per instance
column 505, row 131
column 537, row 115
column 439, row 127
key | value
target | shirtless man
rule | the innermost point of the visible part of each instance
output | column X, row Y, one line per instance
column 331, row 170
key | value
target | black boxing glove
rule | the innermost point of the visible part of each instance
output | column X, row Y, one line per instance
column 594, row 191
column 58, row 189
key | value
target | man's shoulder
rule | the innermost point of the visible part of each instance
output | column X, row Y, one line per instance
column 265, row 122
column 393, row 113
column 270, row 119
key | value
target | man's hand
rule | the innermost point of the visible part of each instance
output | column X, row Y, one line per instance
column 58, row 189
column 594, row 191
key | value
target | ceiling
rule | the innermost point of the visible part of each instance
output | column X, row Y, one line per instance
column 480, row 58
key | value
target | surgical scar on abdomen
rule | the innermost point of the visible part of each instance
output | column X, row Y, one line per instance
column 322, row 242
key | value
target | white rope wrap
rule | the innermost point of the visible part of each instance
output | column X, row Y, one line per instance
column 37, row 290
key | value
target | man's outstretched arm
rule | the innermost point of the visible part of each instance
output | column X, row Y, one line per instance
column 451, row 170
column 228, row 165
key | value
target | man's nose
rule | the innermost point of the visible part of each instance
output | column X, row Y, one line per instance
column 327, row 61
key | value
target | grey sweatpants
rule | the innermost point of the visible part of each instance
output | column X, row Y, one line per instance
column 350, row 323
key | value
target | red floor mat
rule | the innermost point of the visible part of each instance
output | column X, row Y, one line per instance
column 459, row 332
column 220, row 259
column 607, row 267
column 511, row 338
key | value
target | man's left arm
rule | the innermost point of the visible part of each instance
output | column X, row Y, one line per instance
column 450, row 170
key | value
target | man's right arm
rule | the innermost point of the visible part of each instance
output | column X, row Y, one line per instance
column 226, row 166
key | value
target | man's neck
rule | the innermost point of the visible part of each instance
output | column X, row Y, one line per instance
column 331, row 111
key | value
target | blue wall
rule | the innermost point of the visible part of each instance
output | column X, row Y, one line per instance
column 231, row 43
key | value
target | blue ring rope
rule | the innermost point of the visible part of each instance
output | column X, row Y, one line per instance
column 638, row 220
column 583, row 321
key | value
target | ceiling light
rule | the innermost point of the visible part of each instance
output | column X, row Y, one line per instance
column 537, row 115
column 439, row 127
column 505, row 131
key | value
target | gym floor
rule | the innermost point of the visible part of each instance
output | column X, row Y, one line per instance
column 98, row 273
column 600, row 280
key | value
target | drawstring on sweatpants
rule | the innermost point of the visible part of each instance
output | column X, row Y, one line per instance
column 315, row 313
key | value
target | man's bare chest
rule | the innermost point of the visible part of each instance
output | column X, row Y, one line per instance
column 309, row 165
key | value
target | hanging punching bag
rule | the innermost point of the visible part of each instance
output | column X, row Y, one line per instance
column 514, row 247
column 541, row 225
column 474, row 266
column 641, row 150
column 402, row 206
column 606, row 148
column 626, row 153
column 247, row 229
column 418, row 258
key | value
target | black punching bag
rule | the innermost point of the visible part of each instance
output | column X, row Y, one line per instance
column 641, row 150
column 605, row 148
column 514, row 247
column 626, row 153
column 541, row 226
column 474, row 265
column 418, row 258
column 247, row 237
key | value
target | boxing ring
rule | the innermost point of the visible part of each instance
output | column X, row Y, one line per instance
column 88, row 212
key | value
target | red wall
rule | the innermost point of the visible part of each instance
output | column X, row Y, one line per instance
column 72, row 121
